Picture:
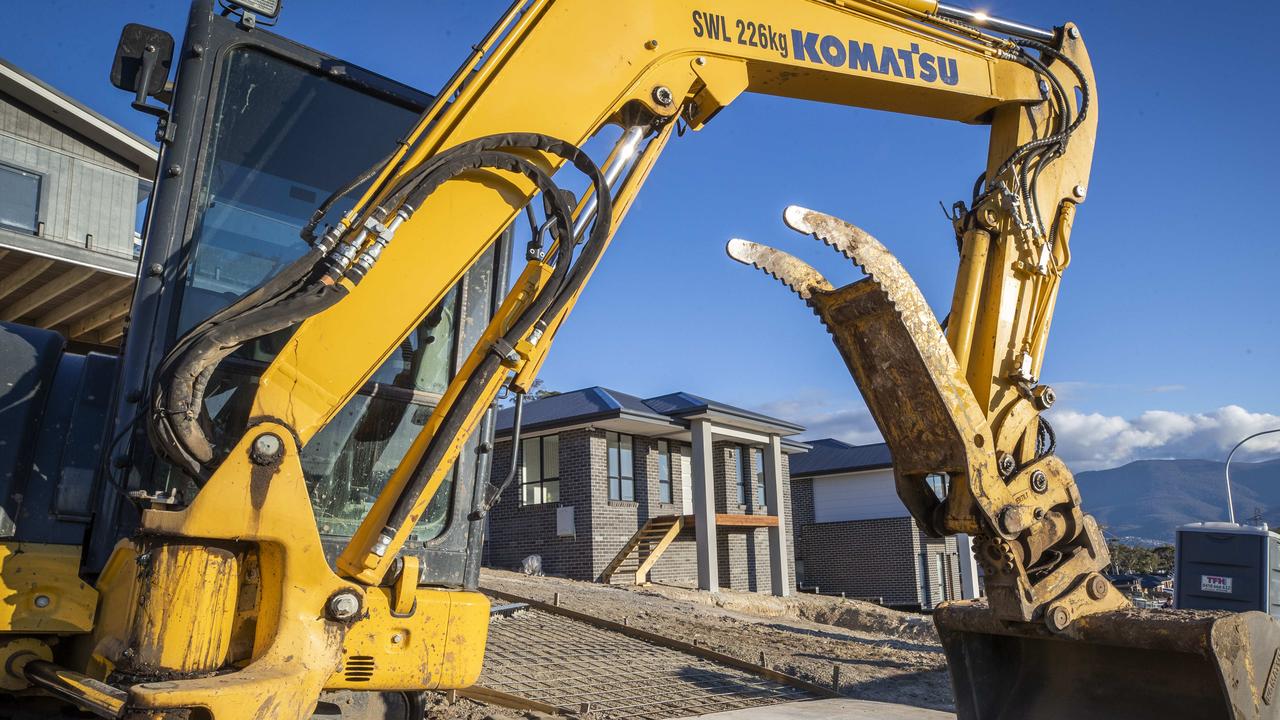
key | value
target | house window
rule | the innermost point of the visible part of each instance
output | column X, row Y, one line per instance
column 622, row 479
column 19, row 199
column 540, row 470
column 757, row 457
column 664, row 472
column 742, row 473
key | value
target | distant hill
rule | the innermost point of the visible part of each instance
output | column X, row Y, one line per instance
column 1150, row 498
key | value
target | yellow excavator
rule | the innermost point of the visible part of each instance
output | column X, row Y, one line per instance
column 271, row 503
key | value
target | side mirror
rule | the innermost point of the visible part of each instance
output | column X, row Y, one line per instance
column 141, row 65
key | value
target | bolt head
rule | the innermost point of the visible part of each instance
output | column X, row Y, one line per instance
column 1006, row 464
column 1073, row 33
column 1044, row 397
column 700, row 60
column 651, row 45
column 42, row 601
column 397, row 639
column 662, row 95
column 344, row 606
column 1039, row 483
column 267, row 449
column 1079, row 191
column 1058, row 619
column 1098, row 587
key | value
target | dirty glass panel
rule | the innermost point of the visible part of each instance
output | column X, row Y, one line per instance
column 264, row 174
column 350, row 460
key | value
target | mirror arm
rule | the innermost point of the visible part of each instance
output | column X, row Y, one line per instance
column 150, row 59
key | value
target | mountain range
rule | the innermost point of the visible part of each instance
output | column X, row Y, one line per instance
column 1149, row 499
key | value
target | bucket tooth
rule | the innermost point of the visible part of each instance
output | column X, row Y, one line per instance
column 788, row 269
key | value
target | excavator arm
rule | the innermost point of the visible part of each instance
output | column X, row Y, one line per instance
column 229, row 605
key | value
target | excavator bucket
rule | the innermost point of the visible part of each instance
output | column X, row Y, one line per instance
column 1133, row 664
column 1006, row 662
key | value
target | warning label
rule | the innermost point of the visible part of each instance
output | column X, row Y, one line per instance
column 1215, row 583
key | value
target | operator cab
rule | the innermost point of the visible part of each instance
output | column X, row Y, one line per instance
column 256, row 131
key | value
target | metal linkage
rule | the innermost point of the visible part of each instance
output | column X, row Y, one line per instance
column 563, row 662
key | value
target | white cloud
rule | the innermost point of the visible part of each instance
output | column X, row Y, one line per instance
column 1086, row 441
column 1090, row 441
column 823, row 418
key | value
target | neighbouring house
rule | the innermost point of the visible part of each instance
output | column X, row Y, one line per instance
column 854, row 536
column 71, row 188
column 675, row 489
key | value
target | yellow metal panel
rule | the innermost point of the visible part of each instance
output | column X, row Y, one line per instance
column 190, row 630
column 298, row 650
column 41, row 590
column 439, row 645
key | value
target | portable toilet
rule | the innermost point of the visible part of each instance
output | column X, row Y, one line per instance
column 1225, row 566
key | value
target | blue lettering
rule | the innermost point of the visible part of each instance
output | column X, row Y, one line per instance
column 863, row 57
column 947, row 68
column 908, row 59
column 833, row 50
column 928, row 70
column 889, row 62
column 697, row 23
column 806, row 45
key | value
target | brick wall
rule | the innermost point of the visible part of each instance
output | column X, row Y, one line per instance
column 614, row 521
column 516, row 531
column 862, row 558
column 743, row 553
column 885, row 558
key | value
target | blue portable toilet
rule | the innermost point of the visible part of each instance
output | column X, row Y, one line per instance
column 1225, row 566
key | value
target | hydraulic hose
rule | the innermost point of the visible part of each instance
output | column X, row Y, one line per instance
column 309, row 285
column 543, row 306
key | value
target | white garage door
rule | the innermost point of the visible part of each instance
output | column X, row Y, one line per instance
column 858, row 496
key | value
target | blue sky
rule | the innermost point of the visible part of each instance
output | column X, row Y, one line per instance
column 1165, row 341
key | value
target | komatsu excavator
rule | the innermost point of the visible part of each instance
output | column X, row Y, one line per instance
column 286, row 512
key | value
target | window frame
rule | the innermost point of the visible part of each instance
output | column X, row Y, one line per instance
column 757, row 459
column 626, row 476
column 741, row 470
column 543, row 479
column 40, row 179
column 666, row 493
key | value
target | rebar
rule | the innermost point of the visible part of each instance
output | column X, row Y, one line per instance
column 563, row 662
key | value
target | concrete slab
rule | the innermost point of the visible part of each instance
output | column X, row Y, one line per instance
column 840, row 709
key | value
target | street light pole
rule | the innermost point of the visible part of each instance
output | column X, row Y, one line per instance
column 1231, row 510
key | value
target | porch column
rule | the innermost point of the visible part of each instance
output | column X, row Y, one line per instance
column 778, row 557
column 704, row 507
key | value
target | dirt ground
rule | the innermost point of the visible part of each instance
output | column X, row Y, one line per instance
column 882, row 654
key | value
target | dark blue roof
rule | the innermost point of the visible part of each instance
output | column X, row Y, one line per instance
column 681, row 404
column 830, row 456
column 598, row 403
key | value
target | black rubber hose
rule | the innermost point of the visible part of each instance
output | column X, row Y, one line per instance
column 308, row 232
column 492, row 494
column 542, row 306
column 177, row 408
